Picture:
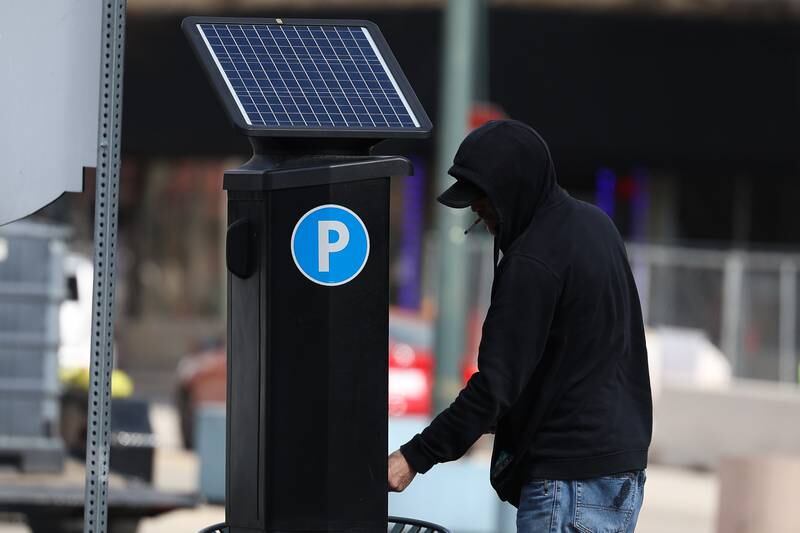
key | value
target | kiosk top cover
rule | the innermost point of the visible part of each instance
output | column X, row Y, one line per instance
column 307, row 78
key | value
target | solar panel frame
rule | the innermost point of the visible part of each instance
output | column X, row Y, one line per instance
column 235, row 111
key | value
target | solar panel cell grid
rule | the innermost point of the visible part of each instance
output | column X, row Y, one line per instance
column 308, row 76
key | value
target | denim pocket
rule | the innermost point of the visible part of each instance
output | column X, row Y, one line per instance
column 540, row 485
column 606, row 504
column 536, row 506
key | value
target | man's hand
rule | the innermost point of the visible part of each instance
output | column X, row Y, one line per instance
column 400, row 472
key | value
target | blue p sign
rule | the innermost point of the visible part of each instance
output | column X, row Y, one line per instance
column 330, row 245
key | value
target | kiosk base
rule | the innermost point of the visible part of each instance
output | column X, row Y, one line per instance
column 306, row 444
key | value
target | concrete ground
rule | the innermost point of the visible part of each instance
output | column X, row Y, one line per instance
column 676, row 500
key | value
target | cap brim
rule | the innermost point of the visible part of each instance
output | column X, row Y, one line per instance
column 460, row 195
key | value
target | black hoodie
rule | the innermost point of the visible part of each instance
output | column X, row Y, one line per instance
column 562, row 354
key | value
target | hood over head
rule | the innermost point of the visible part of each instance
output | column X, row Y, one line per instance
column 511, row 163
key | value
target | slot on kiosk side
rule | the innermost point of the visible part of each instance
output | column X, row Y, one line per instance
column 308, row 268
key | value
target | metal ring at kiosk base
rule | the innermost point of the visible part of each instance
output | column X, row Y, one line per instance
column 395, row 525
column 216, row 528
column 409, row 525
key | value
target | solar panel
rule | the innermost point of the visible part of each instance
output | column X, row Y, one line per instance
column 311, row 77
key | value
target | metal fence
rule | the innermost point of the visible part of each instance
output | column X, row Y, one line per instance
column 746, row 302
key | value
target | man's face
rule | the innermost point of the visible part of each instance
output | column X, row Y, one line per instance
column 483, row 208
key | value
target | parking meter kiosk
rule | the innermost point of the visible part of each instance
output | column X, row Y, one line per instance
column 307, row 254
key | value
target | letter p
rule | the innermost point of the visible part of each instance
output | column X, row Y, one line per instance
column 328, row 246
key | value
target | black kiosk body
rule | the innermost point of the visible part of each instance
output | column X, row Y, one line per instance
column 307, row 255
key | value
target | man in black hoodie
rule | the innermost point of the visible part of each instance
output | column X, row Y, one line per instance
column 562, row 365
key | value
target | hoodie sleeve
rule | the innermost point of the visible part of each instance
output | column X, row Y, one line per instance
column 514, row 335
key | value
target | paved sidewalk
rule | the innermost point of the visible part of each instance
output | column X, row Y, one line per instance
column 678, row 501
column 675, row 501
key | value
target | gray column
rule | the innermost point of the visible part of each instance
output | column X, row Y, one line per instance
column 787, row 333
column 458, row 63
column 731, row 309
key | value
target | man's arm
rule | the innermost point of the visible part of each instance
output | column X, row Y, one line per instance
column 514, row 336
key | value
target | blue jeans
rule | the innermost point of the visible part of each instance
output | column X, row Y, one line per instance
column 607, row 504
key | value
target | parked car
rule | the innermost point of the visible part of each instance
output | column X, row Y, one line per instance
column 410, row 380
column 202, row 378
column 202, row 374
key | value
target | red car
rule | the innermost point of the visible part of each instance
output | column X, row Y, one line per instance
column 202, row 375
column 410, row 380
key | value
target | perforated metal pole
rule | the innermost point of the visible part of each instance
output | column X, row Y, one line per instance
column 105, row 248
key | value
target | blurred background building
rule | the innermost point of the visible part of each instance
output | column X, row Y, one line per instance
column 678, row 118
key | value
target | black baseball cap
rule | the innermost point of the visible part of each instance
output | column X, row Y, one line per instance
column 460, row 195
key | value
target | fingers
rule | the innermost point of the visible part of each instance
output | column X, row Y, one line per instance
column 400, row 473
column 398, row 484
